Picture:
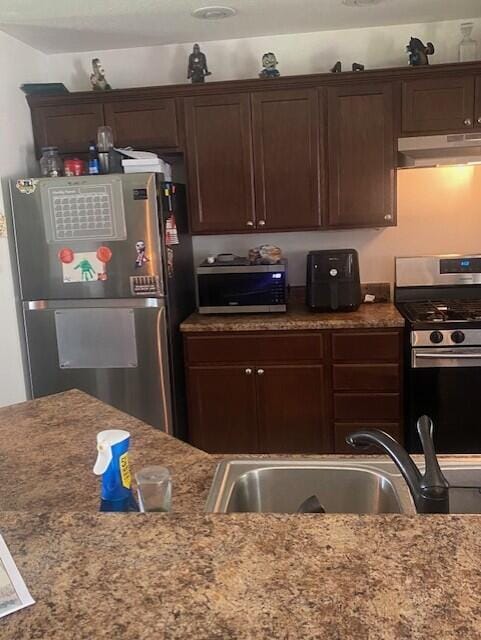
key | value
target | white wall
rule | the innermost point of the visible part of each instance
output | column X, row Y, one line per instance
column 237, row 59
column 18, row 63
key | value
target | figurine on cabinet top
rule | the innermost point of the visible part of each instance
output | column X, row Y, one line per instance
column 197, row 68
column 269, row 62
column 97, row 78
column 418, row 52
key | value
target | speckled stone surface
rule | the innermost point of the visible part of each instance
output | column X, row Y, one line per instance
column 48, row 449
column 298, row 318
column 246, row 577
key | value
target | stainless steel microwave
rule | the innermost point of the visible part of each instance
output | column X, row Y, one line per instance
column 241, row 287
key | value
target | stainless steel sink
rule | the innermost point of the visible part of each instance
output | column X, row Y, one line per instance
column 464, row 479
column 281, row 486
column 355, row 485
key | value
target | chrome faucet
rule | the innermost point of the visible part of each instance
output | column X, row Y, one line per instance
column 430, row 491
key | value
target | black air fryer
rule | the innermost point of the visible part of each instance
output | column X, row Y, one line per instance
column 333, row 280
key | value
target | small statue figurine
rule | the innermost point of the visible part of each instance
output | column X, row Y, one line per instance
column 357, row 66
column 97, row 78
column 197, row 69
column 418, row 53
column 269, row 62
column 337, row 68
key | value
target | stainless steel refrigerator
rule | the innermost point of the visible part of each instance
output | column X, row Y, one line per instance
column 105, row 277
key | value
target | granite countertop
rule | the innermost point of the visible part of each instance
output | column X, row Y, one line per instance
column 298, row 318
column 48, row 452
column 227, row 577
column 248, row 577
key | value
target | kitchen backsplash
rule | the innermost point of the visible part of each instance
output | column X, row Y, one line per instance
column 439, row 211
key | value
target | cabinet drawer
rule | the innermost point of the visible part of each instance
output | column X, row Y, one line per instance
column 253, row 349
column 365, row 377
column 373, row 406
column 343, row 430
column 372, row 346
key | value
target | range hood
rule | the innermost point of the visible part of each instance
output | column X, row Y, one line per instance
column 435, row 151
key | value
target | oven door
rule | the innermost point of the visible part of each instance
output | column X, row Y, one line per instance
column 445, row 384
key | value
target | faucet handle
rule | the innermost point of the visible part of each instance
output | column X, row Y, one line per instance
column 433, row 476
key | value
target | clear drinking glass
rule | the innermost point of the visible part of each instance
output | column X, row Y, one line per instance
column 154, row 488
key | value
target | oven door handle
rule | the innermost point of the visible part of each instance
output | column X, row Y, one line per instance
column 437, row 359
column 448, row 356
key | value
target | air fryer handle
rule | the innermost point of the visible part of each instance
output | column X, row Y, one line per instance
column 334, row 295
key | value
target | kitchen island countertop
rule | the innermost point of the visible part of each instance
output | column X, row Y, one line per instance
column 192, row 575
column 298, row 318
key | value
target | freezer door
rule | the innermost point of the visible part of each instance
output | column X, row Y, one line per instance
column 115, row 350
column 87, row 237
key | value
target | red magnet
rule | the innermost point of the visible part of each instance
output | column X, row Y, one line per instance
column 104, row 254
column 66, row 255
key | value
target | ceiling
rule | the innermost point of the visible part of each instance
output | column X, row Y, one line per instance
column 56, row 26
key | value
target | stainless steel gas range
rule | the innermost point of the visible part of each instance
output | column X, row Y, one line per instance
column 440, row 298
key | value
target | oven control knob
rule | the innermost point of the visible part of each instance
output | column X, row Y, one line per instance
column 436, row 337
column 458, row 336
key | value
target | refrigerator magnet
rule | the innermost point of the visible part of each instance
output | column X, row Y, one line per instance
column 171, row 234
column 66, row 255
column 170, row 262
column 104, row 254
column 26, row 185
column 141, row 258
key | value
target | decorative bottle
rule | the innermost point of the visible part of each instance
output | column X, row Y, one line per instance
column 467, row 47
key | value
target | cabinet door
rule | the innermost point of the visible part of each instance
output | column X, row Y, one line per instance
column 144, row 123
column 70, row 127
column 219, row 162
column 291, row 407
column 286, row 159
column 437, row 105
column 222, row 409
column 361, row 156
column 477, row 107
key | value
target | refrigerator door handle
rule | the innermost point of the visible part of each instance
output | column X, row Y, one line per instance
column 163, row 359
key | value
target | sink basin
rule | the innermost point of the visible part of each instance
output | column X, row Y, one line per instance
column 341, row 485
column 281, row 486
column 464, row 487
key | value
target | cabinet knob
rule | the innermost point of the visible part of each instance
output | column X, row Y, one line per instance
column 248, row 372
column 262, row 223
column 250, row 223
column 479, row 120
column 260, row 372
column 468, row 122
column 388, row 216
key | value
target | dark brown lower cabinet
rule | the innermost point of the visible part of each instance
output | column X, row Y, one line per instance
column 292, row 392
column 222, row 409
column 291, row 412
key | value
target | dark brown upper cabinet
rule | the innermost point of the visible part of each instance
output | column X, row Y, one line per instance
column 68, row 127
column 361, row 157
column 219, row 163
column 286, row 159
column 437, row 105
column 144, row 124
column 477, row 103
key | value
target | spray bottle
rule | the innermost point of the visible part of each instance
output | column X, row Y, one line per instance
column 113, row 465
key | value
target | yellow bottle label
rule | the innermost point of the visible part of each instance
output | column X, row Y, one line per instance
column 125, row 470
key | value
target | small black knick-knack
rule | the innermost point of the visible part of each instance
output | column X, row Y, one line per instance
column 337, row 68
column 357, row 66
column 197, row 68
column 418, row 52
